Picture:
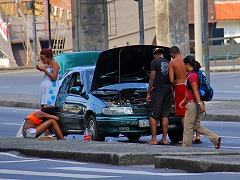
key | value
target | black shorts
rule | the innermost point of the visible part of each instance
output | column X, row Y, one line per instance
column 160, row 104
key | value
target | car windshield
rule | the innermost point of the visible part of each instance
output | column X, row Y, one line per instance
column 89, row 78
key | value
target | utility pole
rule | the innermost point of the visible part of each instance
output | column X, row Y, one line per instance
column 206, row 39
column 49, row 25
column 75, row 7
column 141, row 22
column 198, row 30
column 34, row 35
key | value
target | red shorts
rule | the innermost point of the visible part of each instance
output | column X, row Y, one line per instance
column 179, row 96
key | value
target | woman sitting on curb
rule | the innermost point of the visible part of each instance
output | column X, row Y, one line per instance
column 34, row 125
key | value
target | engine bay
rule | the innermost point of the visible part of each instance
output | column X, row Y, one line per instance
column 130, row 96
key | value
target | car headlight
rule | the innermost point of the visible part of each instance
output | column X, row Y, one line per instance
column 117, row 110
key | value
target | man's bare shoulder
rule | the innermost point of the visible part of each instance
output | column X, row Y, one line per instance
column 176, row 62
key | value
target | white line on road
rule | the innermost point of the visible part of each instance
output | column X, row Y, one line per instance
column 231, row 137
column 40, row 159
column 20, row 72
column 13, row 155
column 20, row 161
column 227, row 92
column 65, row 161
column 52, row 174
column 15, row 124
column 18, row 109
column 230, row 147
column 119, row 171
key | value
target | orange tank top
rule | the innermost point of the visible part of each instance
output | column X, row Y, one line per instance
column 32, row 118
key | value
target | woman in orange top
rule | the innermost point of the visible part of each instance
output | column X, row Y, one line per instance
column 34, row 126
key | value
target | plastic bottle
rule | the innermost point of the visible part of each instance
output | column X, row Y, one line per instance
column 87, row 135
column 111, row 140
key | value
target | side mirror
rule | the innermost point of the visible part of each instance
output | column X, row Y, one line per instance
column 76, row 90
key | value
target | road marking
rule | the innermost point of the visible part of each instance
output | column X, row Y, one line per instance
column 231, row 137
column 40, row 159
column 13, row 155
column 20, row 161
column 5, row 87
column 230, row 147
column 227, row 122
column 119, row 171
column 15, row 124
column 227, row 92
column 20, row 72
column 52, row 174
column 65, row 161
column 18, row 109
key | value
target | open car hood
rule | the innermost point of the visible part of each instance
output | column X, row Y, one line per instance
column 128, row 64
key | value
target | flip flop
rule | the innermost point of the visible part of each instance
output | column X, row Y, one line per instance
column 151, row 143
column 197, row 141
column 217, row 146
column 160, row 143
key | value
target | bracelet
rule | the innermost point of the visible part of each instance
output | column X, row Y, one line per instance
column 199, row 104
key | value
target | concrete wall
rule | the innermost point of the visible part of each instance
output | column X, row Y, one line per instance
column 127, row 21
column 91, row 20
column 172, row 24
column 224, row 49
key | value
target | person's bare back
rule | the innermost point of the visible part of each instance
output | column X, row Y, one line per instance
column 177, row 73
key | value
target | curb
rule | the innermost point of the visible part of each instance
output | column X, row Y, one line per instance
column 199, row 164
column 221, row 117
column 19, row 104
column 127, row 154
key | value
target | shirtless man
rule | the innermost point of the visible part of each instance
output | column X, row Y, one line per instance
column 177, row 77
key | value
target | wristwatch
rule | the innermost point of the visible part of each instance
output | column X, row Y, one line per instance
column 200, row 104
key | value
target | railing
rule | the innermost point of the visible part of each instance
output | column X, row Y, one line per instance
column 228, row 56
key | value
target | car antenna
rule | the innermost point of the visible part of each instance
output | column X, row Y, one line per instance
column 119, row 77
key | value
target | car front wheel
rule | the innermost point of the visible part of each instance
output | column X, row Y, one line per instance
column 92, row 126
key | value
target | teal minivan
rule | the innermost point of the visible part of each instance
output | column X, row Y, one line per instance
column 110, row 98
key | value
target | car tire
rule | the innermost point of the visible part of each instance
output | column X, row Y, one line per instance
column 133, row 137
column 92, row 126
column 175, row 136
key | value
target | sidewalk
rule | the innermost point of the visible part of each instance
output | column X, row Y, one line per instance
column 125, row 154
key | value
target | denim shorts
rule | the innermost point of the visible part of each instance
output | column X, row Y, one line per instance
column 30, row 133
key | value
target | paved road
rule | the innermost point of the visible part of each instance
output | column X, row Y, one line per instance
column 14, row 166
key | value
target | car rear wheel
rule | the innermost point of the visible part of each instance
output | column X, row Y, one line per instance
column 133, row 137
column 175, row 136
column 92, row 126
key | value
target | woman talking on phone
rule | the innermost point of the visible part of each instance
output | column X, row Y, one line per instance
column 50, row 85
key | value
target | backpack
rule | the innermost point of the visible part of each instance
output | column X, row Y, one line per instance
column 205, row 90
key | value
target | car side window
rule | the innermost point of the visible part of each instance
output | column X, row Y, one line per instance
column 65, row 83
column 75, row 81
